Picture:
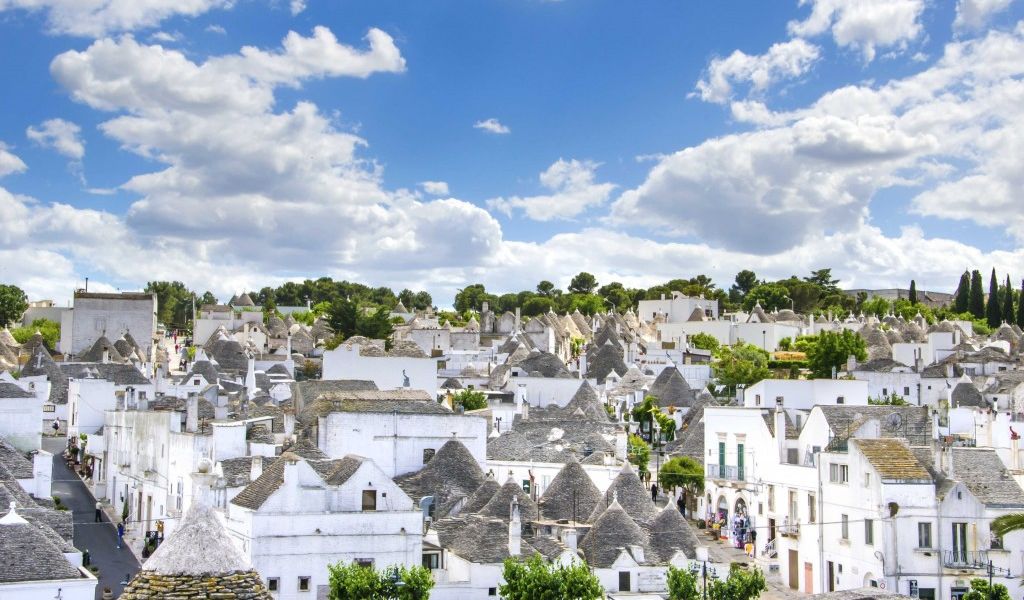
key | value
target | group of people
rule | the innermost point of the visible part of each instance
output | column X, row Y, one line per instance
column 740, row 531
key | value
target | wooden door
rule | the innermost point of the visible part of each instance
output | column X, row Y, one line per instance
column 831, row 577
column 808, row 578
column 794, row 573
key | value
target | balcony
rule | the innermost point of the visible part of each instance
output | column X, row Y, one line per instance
column 726, row 472
column 790, row 531
column 977, row 559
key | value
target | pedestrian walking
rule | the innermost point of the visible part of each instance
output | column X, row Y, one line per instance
column 56, row 426
column 120, row 535
column 654, row 492
column 680, row 505
column 99, row 512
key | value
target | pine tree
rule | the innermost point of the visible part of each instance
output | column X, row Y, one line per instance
column 913, row 292
column 963, row 294
column 1020, row 306
column 993, row 310
column 1008, row 314
column 977, row 304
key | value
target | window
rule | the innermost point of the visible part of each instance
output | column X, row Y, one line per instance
column 867, row 479
column 771, row 497
column 792, row 456
column 624, row 581
column 869, row 532
column 369, row 499
column 48, row 408
column 794, row 514
column 838, row 473
column 366, row 563
column 431, row 560
column 757, row 399
column 924, row 535
column 841, row 400
column 492, row 591
column 811, row 515
column 428, row 453
column 906, row 390
column 846, row 527
column 142, row 395
column 273, row 583
column 303, row 584
column 885, row 392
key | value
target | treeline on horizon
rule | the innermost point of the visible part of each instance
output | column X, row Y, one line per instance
column 816, row 293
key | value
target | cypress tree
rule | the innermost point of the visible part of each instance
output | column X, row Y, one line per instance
column 1020, row 306
column 913, row 292
column 1008, row 315
column 993, row 310
column 977, row 303
column 963, row 294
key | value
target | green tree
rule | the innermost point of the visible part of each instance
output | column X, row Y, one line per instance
column 962, row 301
column 583, row 283
column 993, row 310
column 685, row 473
column 638, row 451
column 13, row 304
column 823, row 278
column 472, row 297
column 981, row 591
column 375, row 325
column 1020, row 306
column 587, row 304
column 617, row 295
column 50, row 331
column 353, row 582
column 740, row 364
column 536, row 579
column 470, row 399
column 1009, row 314
column 741, row 584
column 745, row 281
column 771, row 296
column 546, row 288
column 343, row 317
column 892, row 399
column 977, row 300
column 913, row 292
column 173, row 303
column 832, row 349
column 704, row 341
column 206, row 298
column 877, row 306
column 538, row 305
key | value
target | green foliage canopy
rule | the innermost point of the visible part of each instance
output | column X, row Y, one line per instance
column 13, row 303
column 740, row 364
column 831, row 349
column 535, row 579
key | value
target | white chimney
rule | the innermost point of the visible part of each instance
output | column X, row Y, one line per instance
column 106, row 355
column 569, row 538
column 851, row 363
column 192, row 413
column 518, row 320
column 515, row 529
column 780, row 431
column 256, row 468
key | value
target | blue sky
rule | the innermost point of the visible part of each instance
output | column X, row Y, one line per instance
column 639, row 141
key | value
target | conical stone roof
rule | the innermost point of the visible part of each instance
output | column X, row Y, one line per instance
column 586, row 401
column 450, row 475
column 670, row 533
column 571, row 485
column 631, row 494
column 612, row 531
column 606, row 358
column 482, row 495
column 499, row 506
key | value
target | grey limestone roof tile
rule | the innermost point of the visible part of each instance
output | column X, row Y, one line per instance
column 544, row 363
column 606, row 358
column 41, row 364
column 28, row 553
column 119, row 374
column 16, row 464
column 983, row 472
column 11, row 391
column 965, row 394
column 499, row 506
column 237, row 471
column 452, row 474
column 630, row 494
column 552, row 440
column 483, row 494
column 670, row 533
column 671, row 389
column 95, row 353
column 306, row 392
column 613, row 531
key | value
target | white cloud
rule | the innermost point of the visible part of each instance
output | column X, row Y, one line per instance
column 166, row 37
column 573, row 192
column 863, row 25
column 785, row 60
column 973, row 14
column 216, row 29
column 9, row 163
column 60, row 135
column 492, row 125
column 96, row 18
column 435, row 188
column 819, row 168
column 297, row 6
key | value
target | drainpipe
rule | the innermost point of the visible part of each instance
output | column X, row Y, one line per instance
column 821, row 528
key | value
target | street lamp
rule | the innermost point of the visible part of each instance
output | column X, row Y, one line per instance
column 396, row 581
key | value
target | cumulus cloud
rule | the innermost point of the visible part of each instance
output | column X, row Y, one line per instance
column 492, row 125
column 59, row 135
column 435, row 188
column 96, row 18
column 9, row 163
column 863, row 25
column 785, row 60
column 973, row 14
column 819, row 168
column 216, row 29
column 297, row 6
column 573, row 191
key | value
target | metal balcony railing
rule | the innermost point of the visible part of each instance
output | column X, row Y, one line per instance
column 964, row 559
column 787, row 530
column 726, row 472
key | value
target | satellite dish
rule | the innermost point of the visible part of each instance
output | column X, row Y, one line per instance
column 894, row 421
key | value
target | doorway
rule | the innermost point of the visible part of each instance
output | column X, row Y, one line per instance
column 960, row 543
column 771, row 529
column 794, row 573
column 808, row 578
column 831, row 585
column 624, row 581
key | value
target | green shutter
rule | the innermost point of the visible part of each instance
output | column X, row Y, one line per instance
column 739, row 461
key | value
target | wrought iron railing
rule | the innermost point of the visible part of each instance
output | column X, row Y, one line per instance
column 726, row 472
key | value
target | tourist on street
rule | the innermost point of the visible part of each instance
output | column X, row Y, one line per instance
column 120, row 534
column 99, row 512
column 56, row 426
column 654, row 492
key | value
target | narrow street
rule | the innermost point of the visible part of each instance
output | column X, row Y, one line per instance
column 99, row 538
column 721, row 552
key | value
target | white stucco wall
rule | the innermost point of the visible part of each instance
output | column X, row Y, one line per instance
column 388, row 372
